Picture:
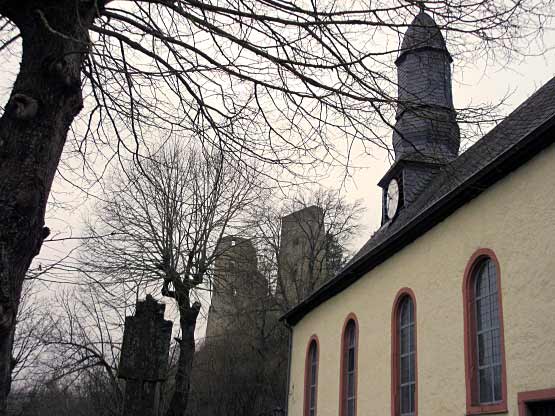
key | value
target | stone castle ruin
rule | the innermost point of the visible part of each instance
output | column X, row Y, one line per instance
column 243, row 360
column 241, row 293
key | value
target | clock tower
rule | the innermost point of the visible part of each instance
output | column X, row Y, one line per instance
column 426, row 133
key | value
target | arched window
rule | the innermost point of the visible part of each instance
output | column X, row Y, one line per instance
column 486, row 389
column 349, row 346
column 403, row 355
column 311, row 377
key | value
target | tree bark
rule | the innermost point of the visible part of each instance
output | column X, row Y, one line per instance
column 45, row 99
column 180, row 397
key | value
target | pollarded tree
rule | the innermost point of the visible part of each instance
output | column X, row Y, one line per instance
column 164, row 220
column 271, row 78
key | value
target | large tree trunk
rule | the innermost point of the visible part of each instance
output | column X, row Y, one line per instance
column 180, row 398
column 44, row 101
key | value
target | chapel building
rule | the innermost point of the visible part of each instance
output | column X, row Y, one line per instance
column 449, row 308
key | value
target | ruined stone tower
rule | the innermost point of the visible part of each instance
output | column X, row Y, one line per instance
column 302, row 255
column 426, row 134
column 238, row 288
column 242, row 298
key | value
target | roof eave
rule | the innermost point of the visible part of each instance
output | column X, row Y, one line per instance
column 506, row 162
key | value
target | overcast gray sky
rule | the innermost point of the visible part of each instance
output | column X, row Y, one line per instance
column 473, row 83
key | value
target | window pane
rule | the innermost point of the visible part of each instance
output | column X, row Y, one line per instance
column 406, row 357
column 405, row 313
column 485, row 380
column 350, row 385
column 351, row 334
column 312, row 373
column 483, row 313
column 311, row 382
column 349, row 368
column 488, row 338
column 314, row 353
column 412, row 395
column 412, row 370
column 405, row 399
column 405, row 340
column 497, row 383
column 351, row 361
column 411, row 338
column 480, row 314
column 351, row 407
column 405, row 372
column 494, row 311
column 482, row 284
column 484, row 349
column 492, row 277
column 496, row 346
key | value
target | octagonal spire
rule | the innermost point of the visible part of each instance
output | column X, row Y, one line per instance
column 423, row 33
column 426, row 125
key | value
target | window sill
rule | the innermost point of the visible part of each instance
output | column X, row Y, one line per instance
column 487, row 409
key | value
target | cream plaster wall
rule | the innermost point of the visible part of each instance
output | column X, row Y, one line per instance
column 516, row 219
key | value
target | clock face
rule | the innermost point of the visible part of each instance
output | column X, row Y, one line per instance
column 392, row 198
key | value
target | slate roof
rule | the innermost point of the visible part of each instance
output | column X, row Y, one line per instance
column 423, row 32
column 527, row 130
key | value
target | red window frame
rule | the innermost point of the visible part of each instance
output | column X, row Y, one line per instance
column 525, row 397
column 307, row 376
column 395, row 364
column 342, row 382
column 473, row 407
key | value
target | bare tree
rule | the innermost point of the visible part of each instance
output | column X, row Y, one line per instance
column 165, row 221
column 79, row 355
column 274, row 79
column 32, row 324
column 85, row 335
